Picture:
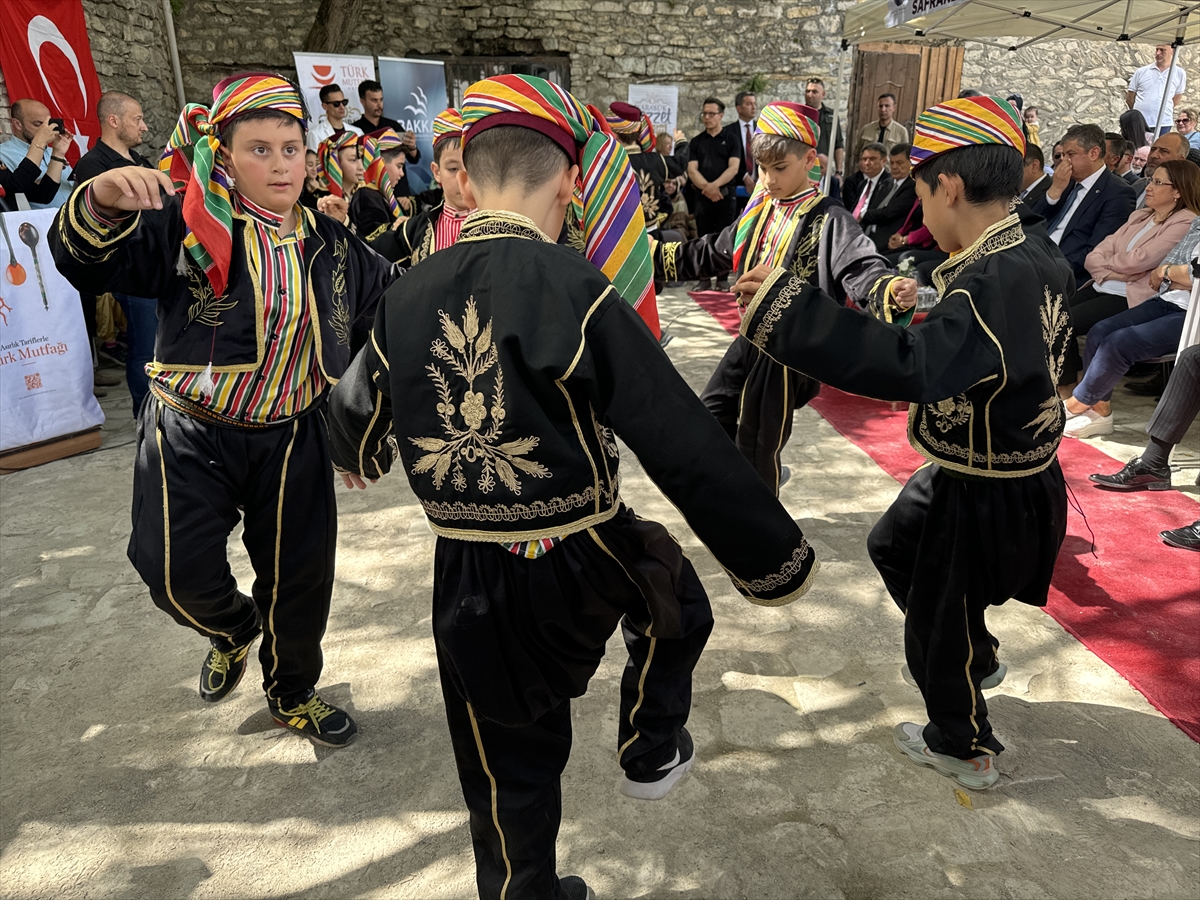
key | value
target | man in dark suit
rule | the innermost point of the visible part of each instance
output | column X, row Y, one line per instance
column 1034, row 180
column 1085, row 202
column 880, row 221
column 741, row 132
column 867, row 187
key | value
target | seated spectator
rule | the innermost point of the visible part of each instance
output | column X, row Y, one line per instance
column 1172, row 417
column 1171, row 145
column 1034, row 180
column 1122, row 262
column 27, row 178
column 1138, row 166
column 1125, row 166
column 1085, row 202
column 1148, row 329
column 882, row 221
column 1114, row 146
column 868, row 186
column 1185, row 124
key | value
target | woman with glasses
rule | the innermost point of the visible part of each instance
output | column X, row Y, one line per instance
column 1141, row 274
column 1185, row 124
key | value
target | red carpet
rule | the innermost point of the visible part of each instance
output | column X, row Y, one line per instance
column 721, row 306
column 1135, row 604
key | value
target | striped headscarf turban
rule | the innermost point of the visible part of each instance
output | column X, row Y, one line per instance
column 607, row 201
column 329, row 167
column 375, row 174
column 966, row 122
column 448, row 124
column 794, row 121
column 192, row 160
column 626, row 119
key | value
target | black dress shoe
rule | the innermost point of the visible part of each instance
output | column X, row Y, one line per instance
column 1136, row 476
column 1186, row 538
column 1151, row 387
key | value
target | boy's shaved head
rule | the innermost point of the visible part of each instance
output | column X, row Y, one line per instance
column 513, row 156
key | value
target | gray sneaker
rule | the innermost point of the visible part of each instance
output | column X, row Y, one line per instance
column 992, row 681
column 978, row 773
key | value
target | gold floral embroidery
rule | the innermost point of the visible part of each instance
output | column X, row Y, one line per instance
column 340, row 320
column 931, row 443
column 788, row 571
column 806, row 257
column 1004, row 234
column 1056, row 331
column 482, row 226
column 457, row 510
column 207, row 309
column 951, row 412
column 670, row 267
column 778, row 306
column 425, row 250
column 470, row 352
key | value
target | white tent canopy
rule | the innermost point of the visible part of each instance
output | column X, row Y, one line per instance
column 1030, row 21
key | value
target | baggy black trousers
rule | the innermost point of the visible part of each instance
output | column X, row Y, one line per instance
column 948, row 548
column 193, row 481
column 753, row 397
column 518, row 638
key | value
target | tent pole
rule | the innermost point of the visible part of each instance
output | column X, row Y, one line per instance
column 1166, row 90
column 831, row 162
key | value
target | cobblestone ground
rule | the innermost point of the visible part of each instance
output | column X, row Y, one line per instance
column 118, row 782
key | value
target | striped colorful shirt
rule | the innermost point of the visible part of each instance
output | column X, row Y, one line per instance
column 449, row 225
column 289, row 379
column 777, row 231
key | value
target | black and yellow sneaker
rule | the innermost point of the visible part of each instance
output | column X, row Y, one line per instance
column 316, row 720
column 221, row 672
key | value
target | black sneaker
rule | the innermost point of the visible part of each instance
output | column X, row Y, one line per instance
column 658, row 784
column 704, row 284
column 575, row 888
column 317, row 721
column 221, row 672
column 1136, row 476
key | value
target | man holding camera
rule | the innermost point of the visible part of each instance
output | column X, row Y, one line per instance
column 29, row 121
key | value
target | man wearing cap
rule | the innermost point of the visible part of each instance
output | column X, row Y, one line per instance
column 983, row 523
column 258, row 297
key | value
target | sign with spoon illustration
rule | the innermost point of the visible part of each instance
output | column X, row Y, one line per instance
column 14, row 272
column 29, row 236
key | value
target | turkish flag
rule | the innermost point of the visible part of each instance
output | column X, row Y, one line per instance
column 46, row 56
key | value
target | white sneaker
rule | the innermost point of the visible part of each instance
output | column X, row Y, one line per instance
column 661, row 785
column 1088, row 423
column 978, row 774
column 992, row 681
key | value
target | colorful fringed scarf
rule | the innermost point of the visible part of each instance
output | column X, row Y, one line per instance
column 790, row 120
column 626, row 119
column 607, row 202
column 966, row 122
column 375, row 174
column 207, row 205
column 329, row 167
column 448, row 124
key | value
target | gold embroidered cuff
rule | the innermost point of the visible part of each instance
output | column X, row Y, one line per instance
column 759, row 295
column 670, row 267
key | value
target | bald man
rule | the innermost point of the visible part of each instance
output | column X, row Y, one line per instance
column 1171, row 145
column 27, row 117
column 122, row 126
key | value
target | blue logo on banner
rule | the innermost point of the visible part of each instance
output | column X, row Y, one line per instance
column 414, row 93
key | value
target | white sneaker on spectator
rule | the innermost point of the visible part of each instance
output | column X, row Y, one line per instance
column 1088, row 423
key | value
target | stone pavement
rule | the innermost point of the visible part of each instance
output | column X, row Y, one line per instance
column 119, row 783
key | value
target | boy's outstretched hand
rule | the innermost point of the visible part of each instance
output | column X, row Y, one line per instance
column 747, row 286
column 129, row 189
column 352, row 481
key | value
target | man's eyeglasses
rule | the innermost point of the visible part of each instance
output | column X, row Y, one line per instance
column 705, row 115
column 337, row 102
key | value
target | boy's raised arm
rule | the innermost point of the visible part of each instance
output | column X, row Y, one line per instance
column 360, row 411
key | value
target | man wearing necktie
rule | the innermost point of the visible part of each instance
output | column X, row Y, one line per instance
column 742, row 132
column 862, row 187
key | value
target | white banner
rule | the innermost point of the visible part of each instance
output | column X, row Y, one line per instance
column 658, row 101
column 45, row 360
column 901, row 11
column 317, row 70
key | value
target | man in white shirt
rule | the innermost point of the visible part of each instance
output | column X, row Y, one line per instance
column 1146, row 88
column 335, row 104
column 27, row 117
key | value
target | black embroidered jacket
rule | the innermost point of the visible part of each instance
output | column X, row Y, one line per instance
column 144, row 257
column 503, row 365
column 980, row 371
column 411, row 242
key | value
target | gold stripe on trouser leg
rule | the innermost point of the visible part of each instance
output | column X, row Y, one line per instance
column 275, row 587
column 495, row 807
column 967, row 668
column 162, row 465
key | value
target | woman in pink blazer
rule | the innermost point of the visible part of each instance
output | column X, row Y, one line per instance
column 1121, row 264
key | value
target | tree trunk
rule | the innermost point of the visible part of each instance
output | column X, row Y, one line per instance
column 333, row 27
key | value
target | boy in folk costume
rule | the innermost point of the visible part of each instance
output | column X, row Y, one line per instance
column 438, row 227
column 635, row 131
column 984, row 522
column 258, row 299
column 374, row 208
column 339, row 171
column 502, row 368
column 787, row 223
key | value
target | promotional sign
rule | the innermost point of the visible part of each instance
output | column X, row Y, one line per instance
column 317, row 70
column 45, row 357
column 658, row 101
column 901, row 11
column 45, row 55
column 414, row 93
